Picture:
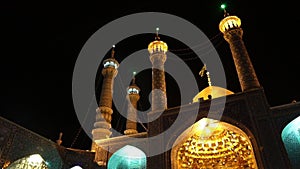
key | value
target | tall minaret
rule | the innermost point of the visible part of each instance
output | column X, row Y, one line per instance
column 157, row 50
column 133, row 97
column 102, row 125
column 230, row 27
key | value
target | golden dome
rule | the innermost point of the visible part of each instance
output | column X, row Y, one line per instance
column 229, row 22
column 213, row 91
column 157, row 46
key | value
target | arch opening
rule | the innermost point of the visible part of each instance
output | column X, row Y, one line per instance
column 212, row 144
column 128, row 157
column 291, row 138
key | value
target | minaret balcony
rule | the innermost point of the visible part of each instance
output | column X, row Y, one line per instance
column 229, row 22
column 133, row 91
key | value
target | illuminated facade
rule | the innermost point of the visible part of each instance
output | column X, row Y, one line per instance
column 250, row 133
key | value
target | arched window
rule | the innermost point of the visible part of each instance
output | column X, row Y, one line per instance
column 34, row 161
column 212, row 144
column 291, row 138
column 128, row 157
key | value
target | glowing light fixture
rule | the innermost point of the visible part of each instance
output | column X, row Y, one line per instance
column 223, row 6
column 76, row 167
column 33, row 161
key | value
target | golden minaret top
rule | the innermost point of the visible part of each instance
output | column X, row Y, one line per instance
column 157, row 45
column 229, row 21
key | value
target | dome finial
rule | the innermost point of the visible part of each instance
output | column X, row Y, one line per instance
column 203, row 71
column 133, row 78
column 208, row 78
column 223, row 6
column 113, row 51
column 59, row 140
column 157, row 37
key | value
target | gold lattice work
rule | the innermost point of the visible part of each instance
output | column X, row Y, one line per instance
column 215, row 146
column 229, row 22
column 157, row 46
column 34, row 161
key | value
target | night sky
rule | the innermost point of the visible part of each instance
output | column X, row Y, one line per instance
column 41, row 42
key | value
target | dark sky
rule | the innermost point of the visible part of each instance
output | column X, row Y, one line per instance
column 41, row 42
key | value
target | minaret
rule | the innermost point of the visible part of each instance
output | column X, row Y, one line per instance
column 133, row 97
column 157, row 50
column 104, row 112
column 230, row 26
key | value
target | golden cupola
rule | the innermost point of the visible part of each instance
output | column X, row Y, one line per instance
column 229, row 22
column 157, row 45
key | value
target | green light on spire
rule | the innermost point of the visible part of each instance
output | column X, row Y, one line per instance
column 223, row 6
